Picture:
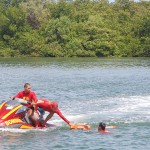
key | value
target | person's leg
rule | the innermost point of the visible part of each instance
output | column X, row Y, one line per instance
column 33, row 116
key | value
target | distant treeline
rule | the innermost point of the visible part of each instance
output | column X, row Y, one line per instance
column 78, row 28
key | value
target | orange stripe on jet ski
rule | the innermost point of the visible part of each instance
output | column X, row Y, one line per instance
column 11, row 111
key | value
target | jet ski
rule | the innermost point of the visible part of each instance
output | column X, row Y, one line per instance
column 13, row 114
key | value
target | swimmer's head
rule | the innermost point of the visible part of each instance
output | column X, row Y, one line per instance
column 102, row 126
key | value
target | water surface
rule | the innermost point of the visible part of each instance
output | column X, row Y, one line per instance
column 88, row 90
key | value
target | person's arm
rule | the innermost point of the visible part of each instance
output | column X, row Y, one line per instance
column 34, row 97
column 16, row 96
column 34, row 100
column 111, row 127
column 47, row 118
column 62, row 117
column 36, row 104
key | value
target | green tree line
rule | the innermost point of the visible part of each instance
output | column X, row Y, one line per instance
column 79, row 28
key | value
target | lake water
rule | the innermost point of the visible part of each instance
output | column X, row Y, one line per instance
column 88, row 90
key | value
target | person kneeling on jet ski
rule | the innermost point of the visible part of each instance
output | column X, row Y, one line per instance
column 51, row 107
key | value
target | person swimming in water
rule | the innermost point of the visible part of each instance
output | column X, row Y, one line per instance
column 102, row 128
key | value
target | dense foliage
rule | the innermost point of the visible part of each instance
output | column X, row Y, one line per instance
column 81, row 28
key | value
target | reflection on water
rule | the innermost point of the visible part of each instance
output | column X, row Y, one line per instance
column 76, row 62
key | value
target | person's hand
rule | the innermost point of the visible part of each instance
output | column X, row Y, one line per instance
column 42, row 122
column 29, row 103
column 72, row 126
column 11, row 97
column 33, row 103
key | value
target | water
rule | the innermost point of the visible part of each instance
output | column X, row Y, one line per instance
column 88, row 90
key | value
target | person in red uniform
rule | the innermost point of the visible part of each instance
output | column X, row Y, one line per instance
column 51, row 107
column 29, row 96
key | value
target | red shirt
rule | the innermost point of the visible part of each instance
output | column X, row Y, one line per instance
column 51, row 107
column 27, row 96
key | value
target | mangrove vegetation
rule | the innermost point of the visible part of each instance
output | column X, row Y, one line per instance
column 78, row 28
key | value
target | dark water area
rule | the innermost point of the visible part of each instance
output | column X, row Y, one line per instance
column 88, row 90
